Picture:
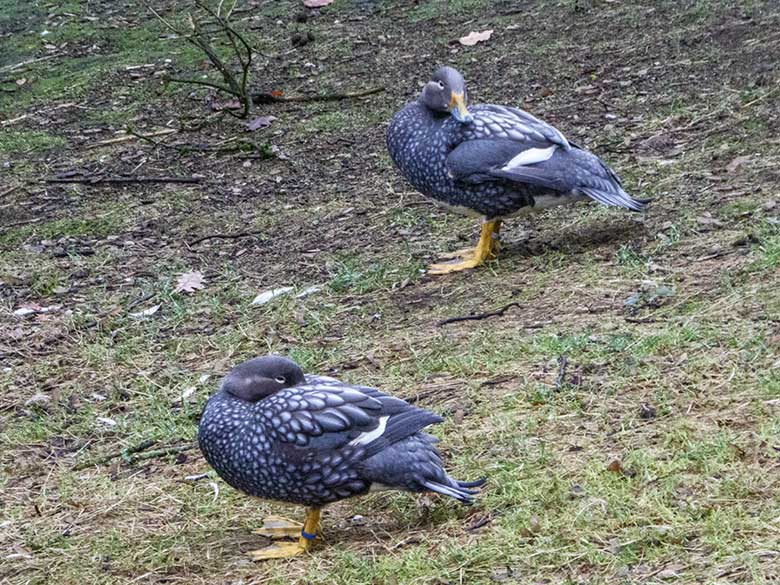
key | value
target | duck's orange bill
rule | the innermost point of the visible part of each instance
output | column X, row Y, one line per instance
column 457, row 101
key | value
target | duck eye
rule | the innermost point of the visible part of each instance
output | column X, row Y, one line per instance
column 281, row 379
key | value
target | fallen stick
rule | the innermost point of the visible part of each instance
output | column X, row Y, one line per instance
column 479, row 316
column 8, row 68
column 269, row 98
column 124, row 454
column 163, row 452
column 223, row 237
column 123, row 180
column 8, row 191
column 130, row 136
column 562, row 363
column 129, row 455
column 14, row 120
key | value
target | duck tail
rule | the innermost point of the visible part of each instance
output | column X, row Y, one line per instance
column 456, row 489
column 604, row 185
column 413, row 464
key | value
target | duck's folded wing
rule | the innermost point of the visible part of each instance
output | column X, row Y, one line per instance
column 509, row 145
column 503, row 122
column 327, row 414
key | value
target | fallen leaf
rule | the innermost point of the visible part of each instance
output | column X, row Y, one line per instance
column 667, row 574
column 189, row 282
column 146, row 312
column 707, row 219
column 316, row 3
column 615, row 466
column 736, row 163
column 647, row 411
column 308, row 291
column 475, row 37
column 277, row 93
column 228, row 105
column 38, row 398
column 31, row 309
column 260, row 122
column 266, row 296
column 188, row 391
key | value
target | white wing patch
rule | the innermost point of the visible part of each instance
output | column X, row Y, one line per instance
column 366, row 438
column 530, row 156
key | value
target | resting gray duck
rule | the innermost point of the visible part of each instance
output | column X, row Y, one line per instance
column 492, row 161
column 275, row 433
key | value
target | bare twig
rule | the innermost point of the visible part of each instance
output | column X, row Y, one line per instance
column 175, row 450
column 479, row 316
column 124, row 454
column 132, row 136
column 563, row 362
column 8, row 68
column 8, row 191
column 16, row 224
column 132, row 454
column 242, row 50
column 268, row 98
column 94, row 180
column 223, row 237
column 14, row 120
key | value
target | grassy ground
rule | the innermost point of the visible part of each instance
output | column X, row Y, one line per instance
column 653, row 458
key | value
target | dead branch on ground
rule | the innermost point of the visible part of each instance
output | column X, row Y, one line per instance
column 94, row 180
column 479, row 316
column 235, row 84
column 133, row 453
column 269, row 98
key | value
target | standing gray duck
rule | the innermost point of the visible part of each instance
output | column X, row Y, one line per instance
column 492, row 161
column 275, row 433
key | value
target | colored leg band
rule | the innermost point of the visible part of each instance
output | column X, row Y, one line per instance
column 308, row 536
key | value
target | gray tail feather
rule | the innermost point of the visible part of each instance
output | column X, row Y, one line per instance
column 456, row 489
column 615, row 196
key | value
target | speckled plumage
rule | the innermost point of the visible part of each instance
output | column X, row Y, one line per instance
column 320, row 441
column 477, row 165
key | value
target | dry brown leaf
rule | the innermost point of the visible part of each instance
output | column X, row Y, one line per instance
column 736, row 163
column 260, row 122
column 316, row 3
column 475, row 37
column 615, row 466
column 189, row 282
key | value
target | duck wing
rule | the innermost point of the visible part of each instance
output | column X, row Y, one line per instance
column 326, row 414
column 353, row 437
column 506, row 144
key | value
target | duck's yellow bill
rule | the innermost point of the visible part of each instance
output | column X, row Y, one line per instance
column 458, row 108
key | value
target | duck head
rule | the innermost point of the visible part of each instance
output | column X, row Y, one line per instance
column 259, row 377
column 446, row 92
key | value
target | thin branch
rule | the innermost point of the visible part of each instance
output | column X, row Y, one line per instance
column 206, row 83
column 163, row 452
column 131, row 136
column 125, row 454
column 96, row 180
column 223, row 237
column 563, row 362
column 267, row 98
column 479, row 316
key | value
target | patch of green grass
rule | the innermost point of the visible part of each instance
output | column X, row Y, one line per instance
column 348, row 274
column 22, row 142
column 431, row 9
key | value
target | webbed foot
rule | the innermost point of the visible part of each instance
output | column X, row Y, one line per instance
column 279, row 527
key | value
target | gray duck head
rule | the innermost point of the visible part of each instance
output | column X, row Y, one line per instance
column 446, row 92
column 259, row 377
